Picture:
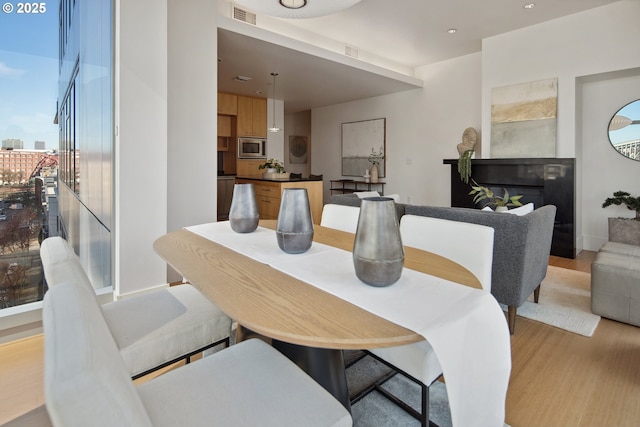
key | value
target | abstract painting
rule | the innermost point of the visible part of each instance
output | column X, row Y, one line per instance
column 524, row 119
column 359, row 141
column 298, row 149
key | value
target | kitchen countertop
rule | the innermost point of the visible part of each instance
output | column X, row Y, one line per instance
column 254, row 178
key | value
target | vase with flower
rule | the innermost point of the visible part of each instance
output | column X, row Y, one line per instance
column 375, row 158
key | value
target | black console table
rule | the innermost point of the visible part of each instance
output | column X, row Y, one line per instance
column 541, row 181
column 352, row 185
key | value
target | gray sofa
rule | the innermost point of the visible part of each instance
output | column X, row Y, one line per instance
column 520, row 252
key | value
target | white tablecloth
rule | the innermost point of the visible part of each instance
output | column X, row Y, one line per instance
column 465, row 326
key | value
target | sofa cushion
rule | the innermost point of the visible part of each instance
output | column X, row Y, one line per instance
column 621, row 248
column 85, row 381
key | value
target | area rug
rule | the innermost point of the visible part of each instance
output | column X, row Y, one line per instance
column 565, row 302
column 375, row 410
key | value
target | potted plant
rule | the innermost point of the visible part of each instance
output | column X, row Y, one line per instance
column 464, row 166
column 274, row 168
column 624, row 230
column 500, row 203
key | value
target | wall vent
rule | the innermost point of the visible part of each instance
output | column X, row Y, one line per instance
column 351, row 51
column 240, row 14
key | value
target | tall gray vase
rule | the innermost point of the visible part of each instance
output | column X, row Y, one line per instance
column 243, row 214
column 378, row 254
column 294, row 230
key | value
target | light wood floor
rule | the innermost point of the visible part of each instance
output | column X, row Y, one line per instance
column 558, row 378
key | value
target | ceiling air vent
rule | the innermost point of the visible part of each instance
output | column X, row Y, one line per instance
column 351, row 51
column 240, row 14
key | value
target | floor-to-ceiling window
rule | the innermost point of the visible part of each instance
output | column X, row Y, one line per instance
column 56, row 129
column 29, row 65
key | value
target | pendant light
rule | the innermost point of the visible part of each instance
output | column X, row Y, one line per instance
column 274, row 128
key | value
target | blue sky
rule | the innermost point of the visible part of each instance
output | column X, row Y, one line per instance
column 631, row 132
column 29, row 75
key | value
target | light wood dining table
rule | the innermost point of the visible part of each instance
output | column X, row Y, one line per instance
column 311, row 326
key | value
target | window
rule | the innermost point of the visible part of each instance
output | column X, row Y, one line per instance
column 29, row 69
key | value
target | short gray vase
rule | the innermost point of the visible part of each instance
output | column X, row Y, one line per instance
column 243, row 214
column 294, row 230
column 378, row 254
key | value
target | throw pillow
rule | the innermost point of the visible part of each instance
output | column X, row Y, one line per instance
column 522, row 210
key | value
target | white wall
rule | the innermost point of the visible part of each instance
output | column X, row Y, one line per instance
column 423, row 128
column 591, row 43
column 140, row 177
column 605, row 170
column 297, row 124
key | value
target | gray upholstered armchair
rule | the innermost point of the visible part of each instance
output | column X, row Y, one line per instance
column 520, row 252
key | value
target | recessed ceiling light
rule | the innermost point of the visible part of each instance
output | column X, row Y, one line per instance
column 529, row 5
column 451, row 30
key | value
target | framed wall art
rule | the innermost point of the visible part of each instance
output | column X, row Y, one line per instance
column 360, row 141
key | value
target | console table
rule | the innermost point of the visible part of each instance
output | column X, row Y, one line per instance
column 352, row 185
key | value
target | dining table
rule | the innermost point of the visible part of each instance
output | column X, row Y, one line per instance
column 313, row 307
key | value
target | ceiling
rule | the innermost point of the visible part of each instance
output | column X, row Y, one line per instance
column 409, row 33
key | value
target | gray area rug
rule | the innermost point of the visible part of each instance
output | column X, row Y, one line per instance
column 375, row 410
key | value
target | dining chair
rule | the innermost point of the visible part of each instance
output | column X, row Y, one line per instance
column 340, row 217
column 470, row 245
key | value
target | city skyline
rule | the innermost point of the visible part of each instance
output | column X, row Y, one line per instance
column 29, row 76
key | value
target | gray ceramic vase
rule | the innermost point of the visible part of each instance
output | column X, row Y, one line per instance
column 243, row 214
column 378, row 254
column 294, row 229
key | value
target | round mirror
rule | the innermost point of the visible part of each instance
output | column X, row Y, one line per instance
column 624, row 130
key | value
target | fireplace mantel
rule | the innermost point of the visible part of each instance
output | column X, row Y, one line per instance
column 542, row 181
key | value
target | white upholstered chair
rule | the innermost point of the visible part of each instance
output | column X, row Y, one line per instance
column 340, row 217
column 87, row 383
column 153, row 329
column 470, row 245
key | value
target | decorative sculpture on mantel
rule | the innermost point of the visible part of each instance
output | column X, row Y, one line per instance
column 465, row 150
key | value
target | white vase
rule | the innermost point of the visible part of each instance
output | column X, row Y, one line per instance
column 374, row 173
column 501, row 208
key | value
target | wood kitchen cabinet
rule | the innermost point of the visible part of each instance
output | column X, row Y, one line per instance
column 225, row 195
column 227, row 104
column 252, row 116
column 224, row 132
column 249, row 168
column 269, row 195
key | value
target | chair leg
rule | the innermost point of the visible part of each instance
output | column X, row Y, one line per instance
column 424, row 415
column 512, row 318
column 536, row 294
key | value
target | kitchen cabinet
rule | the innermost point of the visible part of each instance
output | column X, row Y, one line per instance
column 224, row 125
column 225, row 195
column 269, row 195
column 227, row 104
column 224, row 132
column 249, row 168
column 252, row 116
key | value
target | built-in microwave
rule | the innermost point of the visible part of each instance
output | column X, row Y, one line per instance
column 252, row 148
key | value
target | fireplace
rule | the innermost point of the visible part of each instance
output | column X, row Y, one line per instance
column 541, row 182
